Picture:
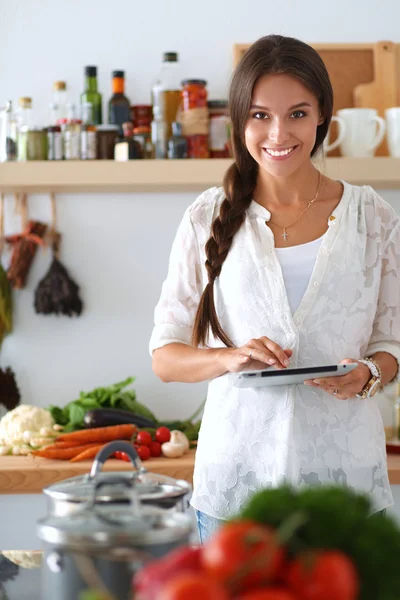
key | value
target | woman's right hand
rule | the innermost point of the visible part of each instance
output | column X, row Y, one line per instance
column 258, row 353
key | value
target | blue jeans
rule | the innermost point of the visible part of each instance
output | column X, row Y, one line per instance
column 207, row 525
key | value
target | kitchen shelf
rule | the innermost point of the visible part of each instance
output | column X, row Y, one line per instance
column 169, row 175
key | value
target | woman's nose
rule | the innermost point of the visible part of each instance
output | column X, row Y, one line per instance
column 277, row 132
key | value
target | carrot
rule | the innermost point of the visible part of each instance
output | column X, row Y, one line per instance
column 62, row 445
column 61, row 453
column 99, row 434
column 88, row 453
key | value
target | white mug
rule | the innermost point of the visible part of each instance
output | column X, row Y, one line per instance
column 341, row 133
column 362, row 136
column 393, row 130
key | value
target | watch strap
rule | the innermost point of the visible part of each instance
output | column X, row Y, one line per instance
column 376, row 377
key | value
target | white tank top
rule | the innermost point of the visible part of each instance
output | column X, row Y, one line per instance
column 297, row 264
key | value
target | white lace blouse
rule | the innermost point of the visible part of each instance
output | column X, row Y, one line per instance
column 252, row 438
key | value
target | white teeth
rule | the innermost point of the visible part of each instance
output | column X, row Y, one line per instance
column 279, row 152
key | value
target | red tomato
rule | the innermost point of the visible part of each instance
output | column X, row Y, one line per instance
column 149, row 580
column 193, row 586
column 325, row 575
column 243, row 555
column 122, row 456
column 143, row 438
column 144, row 452
column 272, row 593
column 163, row 435
column 155, row 449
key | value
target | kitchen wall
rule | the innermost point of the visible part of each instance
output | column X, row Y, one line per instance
column 116, row 245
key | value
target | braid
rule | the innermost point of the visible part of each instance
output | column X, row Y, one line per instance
column 239, row 191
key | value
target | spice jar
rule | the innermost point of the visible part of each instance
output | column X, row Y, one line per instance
column 54, row 143
column 32, row 143
column 194, row 117
column 219, row 134
column 106, row 136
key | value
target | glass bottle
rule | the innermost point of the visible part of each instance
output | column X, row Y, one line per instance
column 72, row 135
column 88, row 133
column 119, row 111
column 60, row 101
column 92, row 95
column 159, row 134
column 24, row 112
column 127, row 148
column 8, row 133
column 166, row 94
column 177, row 144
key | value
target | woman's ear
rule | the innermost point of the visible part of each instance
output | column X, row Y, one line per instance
column 321, row 119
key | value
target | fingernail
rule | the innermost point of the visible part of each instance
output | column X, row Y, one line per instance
column 271, row 361
column 286, row 362
column 308, row 383
column 316, row 381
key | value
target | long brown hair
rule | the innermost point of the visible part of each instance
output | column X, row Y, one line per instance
column 272, row 54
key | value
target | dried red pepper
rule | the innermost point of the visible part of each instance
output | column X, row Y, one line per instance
column 25, row 246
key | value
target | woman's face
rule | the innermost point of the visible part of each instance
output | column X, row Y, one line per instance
column 282, row 124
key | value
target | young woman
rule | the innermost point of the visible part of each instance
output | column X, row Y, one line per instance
column 282, row 266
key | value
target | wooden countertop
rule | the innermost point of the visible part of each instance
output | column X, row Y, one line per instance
column 30, row 474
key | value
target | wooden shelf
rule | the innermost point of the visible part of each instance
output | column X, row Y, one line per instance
column 169, row 175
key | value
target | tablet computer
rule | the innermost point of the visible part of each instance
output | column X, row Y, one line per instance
column 271, row 377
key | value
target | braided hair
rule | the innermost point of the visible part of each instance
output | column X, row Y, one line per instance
column 272, row 54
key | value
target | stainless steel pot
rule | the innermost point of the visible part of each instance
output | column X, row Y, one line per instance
column 100, row 545
column 68, row 496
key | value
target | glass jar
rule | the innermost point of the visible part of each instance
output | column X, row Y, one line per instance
column 219, row 125
column 194, row 117
column 32, row 143
column 54, row 143
column 106, row 137
column 141, row 115
column 72, row 139
column 143, row 136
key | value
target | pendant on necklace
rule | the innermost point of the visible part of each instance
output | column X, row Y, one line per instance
column 284, row 234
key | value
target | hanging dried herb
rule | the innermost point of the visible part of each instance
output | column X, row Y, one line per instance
column 5, row 287
column 57, row 293
column 9, row 393
column 24, row 250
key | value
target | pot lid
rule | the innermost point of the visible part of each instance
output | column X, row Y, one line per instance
column 149, row 486
column 104, row 527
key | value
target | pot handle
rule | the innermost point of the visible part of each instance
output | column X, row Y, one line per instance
column 109, row 450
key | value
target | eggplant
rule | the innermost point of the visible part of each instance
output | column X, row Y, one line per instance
column 103, row 417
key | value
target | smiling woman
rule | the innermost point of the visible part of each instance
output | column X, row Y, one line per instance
column 282, row 266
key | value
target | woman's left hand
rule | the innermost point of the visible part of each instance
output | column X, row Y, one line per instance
column 345, row 386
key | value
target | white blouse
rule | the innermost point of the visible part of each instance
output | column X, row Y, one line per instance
column 253, row 438
column 297, row 264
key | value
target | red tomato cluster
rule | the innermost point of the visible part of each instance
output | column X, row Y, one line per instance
column 146, row 446
column 245, row 561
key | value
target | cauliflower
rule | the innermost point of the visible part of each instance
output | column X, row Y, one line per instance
column 24, row 418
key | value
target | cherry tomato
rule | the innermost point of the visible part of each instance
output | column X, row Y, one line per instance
column 271, row 593
column 243, row 555
column 144, row 452
column 151, row 578
column 193, row 586
column 122, row 456
column 163, row 435
column 155, row 449
column 325, row 575
column 143, row 438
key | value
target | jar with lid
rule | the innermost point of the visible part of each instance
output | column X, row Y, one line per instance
column 141, row 115
column 219, row 125
column 106, row 137
column 194, row 117
column 32, row 143
column 72, row 139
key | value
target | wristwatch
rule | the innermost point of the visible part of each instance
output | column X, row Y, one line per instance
column 373, row 384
